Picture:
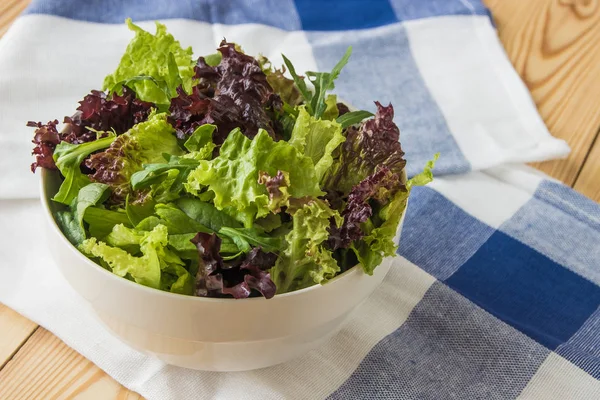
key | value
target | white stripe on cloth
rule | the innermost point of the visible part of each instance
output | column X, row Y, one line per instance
column 486, row 105
column 47, row 64
column 31, row 284
column 558, row 379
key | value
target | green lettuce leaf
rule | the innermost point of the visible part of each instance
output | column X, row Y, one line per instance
column 68, row 157
column 145, row 270
column 283, row 86
column 379, row 242
column 201, row 136
column 154, row 66
column 305, row 260
column 125, row 238
column 233, row 175
column 331, row 111
column 317, row 139
column 423, row 178
column 177, row 279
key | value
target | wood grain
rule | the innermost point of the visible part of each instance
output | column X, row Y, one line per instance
column 46, row 368
column 9, row 10
column 553, row 45
column 588, row 181
column 14, row 332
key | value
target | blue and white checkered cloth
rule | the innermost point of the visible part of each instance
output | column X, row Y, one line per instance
column 495, row 293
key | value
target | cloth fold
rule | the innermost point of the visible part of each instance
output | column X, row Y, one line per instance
column 495, row 292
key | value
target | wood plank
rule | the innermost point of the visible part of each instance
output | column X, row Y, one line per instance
column 588, row 181
column 43, row 366
column 14, row 332
column 46, row 368
column 553, row 45
column 9, row 10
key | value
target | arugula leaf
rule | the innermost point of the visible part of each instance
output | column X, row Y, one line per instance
column 299, row 81
column 253, row 237
column 239, row 240
column 68, row 157
column 155, row 173
column 353, row 117
column 323, row 81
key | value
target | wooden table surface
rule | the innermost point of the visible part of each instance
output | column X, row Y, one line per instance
column 553, row 44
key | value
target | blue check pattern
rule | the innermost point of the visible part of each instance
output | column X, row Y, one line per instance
column 505, row 298
column 382, row 64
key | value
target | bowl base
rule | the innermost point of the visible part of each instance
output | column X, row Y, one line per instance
column 225, row 356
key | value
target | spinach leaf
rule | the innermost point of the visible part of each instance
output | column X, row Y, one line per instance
column 68, row 158
column 139, row 211
column 70, row 227
column 207, row 214
column 177, row 221
column 101, row 221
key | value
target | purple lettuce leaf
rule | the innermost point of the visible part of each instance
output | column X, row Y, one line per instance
column 235, row 93
column 378, row 188
column 103, row 113
column 46, row 138
column 373, row 144
column 96, row 112
column 239, row 279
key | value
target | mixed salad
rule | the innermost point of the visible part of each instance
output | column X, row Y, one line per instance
column 222, row 177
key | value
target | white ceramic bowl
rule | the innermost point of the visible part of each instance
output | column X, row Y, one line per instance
column 204, row 333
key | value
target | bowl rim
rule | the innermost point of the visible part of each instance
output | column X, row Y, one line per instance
column 45, row 200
